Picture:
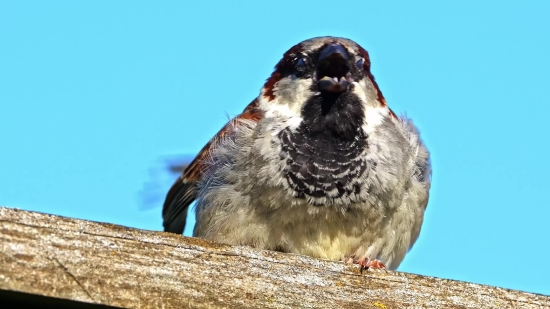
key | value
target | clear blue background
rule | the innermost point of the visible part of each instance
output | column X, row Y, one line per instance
column 95, row 96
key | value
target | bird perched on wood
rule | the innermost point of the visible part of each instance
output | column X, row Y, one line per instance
column 317, row 164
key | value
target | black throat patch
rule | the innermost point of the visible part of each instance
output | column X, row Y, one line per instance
column 324, row 155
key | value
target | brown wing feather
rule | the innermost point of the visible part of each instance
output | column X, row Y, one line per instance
column 184, row 191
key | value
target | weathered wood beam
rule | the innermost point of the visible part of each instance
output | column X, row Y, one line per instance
column 112, row 265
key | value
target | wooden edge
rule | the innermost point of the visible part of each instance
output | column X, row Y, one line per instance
column 112, row 265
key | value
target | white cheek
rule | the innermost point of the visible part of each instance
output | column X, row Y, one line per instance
column 374, row 116
column 290, row 97
column 374, row 112
column 300, row 95
column 364, row 89
column 294, row 122
column 274, row 109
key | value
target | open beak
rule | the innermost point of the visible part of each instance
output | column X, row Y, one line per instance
column 333, row 69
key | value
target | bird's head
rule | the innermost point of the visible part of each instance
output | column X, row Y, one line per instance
column 325, row 82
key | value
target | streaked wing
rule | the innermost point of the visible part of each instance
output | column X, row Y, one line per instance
column 184, row 191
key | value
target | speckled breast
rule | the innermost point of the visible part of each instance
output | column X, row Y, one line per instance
column 323, row 166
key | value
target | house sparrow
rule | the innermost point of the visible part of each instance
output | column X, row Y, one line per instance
column 317, row 164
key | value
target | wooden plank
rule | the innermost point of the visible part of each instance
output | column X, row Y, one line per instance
column 117, row 266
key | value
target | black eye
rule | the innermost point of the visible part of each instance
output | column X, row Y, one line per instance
column 301, row 63
column 301, row 67
column 359, row 63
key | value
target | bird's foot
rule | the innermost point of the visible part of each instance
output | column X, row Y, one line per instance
column 366, row 263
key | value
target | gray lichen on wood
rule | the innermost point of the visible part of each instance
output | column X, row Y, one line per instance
column 118, row 266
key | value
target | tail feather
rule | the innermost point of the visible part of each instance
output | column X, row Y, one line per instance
column 178, row 199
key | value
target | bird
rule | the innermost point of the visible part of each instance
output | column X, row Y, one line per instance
column 317, row 165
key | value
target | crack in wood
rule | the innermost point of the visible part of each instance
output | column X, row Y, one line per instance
column 74, row 278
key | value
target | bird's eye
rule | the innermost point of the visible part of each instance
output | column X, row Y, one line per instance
column 359, row 63
column 301, row 63
column 301, row 66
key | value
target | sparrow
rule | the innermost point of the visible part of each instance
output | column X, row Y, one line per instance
column 316, row 165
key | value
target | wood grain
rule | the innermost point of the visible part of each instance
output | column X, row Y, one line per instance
column 118, row 266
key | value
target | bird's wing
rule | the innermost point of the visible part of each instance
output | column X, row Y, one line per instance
column 184, row 190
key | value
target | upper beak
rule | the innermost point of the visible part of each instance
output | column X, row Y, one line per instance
column 333, row 51
column 333, row 69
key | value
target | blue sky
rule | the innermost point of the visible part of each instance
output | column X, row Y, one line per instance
column 96, row 97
